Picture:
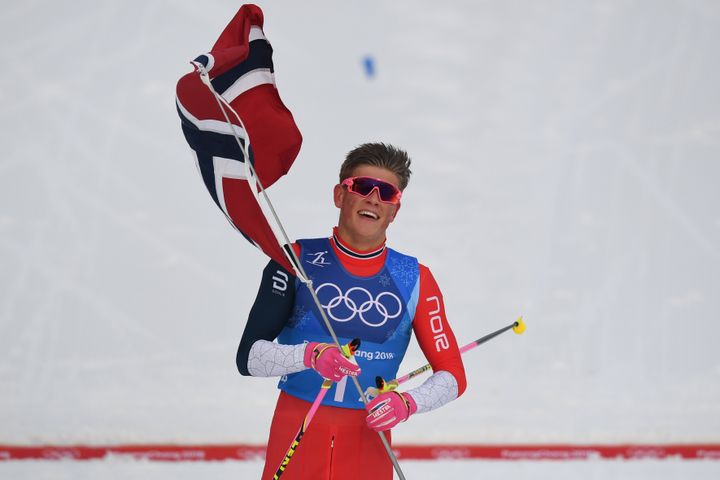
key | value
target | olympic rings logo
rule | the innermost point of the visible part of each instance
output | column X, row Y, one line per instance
column 360, row 304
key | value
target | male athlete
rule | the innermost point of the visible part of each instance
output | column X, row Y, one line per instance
column 368, row 291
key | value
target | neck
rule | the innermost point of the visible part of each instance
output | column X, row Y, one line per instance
column 357, row 247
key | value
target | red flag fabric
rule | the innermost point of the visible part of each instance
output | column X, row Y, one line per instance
column 241, row 71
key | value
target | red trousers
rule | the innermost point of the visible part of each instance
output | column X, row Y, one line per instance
column 337, row 444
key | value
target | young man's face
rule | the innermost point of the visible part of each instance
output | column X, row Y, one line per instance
column 364, row 220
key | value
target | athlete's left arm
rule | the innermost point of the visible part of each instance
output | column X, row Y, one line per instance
column 437, row 341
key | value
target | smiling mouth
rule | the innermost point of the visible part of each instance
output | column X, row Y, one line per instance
column 369, row 214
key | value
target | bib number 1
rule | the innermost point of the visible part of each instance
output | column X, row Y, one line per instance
column 340, row 389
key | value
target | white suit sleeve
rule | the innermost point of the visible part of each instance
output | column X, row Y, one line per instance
column 270, row 359
column 435, row 392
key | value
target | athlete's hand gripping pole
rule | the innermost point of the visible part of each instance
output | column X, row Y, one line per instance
column 389, row 407
column 517, row 326
column 347, row 351
column 331, row 362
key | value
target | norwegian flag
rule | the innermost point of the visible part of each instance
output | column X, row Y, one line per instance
column 240, row 69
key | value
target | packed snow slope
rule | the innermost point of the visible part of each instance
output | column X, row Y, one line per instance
column 565, row 159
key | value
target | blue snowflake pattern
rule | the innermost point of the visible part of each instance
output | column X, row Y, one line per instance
column 402, row 330
column 299, row 317
column 404, row 269
column 385, row 280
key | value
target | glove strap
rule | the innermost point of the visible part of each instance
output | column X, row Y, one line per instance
column 317, row 351
column 409, row 403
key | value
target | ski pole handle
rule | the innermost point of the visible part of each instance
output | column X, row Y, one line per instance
column 349, row 349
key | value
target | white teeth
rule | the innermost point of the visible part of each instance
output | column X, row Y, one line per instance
column 368, row 213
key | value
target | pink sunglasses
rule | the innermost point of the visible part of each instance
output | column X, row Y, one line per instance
column 364, row 186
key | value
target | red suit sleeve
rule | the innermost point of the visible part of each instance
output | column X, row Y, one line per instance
column 433, row 331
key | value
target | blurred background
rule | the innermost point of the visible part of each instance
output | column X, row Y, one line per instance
column 565, row 159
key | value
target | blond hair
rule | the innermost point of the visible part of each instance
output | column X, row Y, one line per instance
column 379, row 155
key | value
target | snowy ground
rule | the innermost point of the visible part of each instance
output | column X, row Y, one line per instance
column 565, row 168
column 413, row 470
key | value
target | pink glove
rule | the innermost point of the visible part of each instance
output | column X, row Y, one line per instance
column 388, row 409
column 329, row 362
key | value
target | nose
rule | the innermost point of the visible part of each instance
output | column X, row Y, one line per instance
column 374, row 195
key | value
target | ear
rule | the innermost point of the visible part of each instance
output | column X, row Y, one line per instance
column 338, row 193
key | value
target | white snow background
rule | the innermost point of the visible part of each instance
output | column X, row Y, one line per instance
column 114, row 469
column 565, row 159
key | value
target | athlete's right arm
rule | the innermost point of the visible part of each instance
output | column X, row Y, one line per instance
column 257, row 354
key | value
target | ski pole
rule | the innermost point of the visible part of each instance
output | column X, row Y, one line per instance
column 518, row 327
column 303, row 428
column 348, row 350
